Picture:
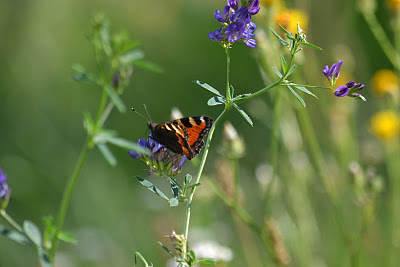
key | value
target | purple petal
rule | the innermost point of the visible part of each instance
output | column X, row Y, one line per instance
column 134, row 154
column 341, row 91
column 4, row 190
column 351, row 84
column 337, row 69
column 3, row 177
column 234, row 32
column 240, row 15
column 233, row 4
column 326, row 71
column 250, row 43
column 254, row 7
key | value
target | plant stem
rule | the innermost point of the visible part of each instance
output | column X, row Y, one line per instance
column 199, row 172
column 11, row 221
column 228, row 63
column 381, row 37
column 67, row 196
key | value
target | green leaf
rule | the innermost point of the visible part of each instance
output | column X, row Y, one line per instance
column 284, row 30
column 168, row 251
column 15, row 236
column 108, row 155
column 138, row 255
column 33, row 233
column 240, row 98
column 284, row 63
column 305, row 90
column 105, row 40
column 115, row 98
column 173, row 202
column 277, row 72
column 152, row 188
column 187, row 180
column 43, row 258
column 291, row 70
column 207, row 261
column 147, row 65
column 68, row 238
column 121, row 142
column 216, row 100
column 80, row 74
column 231, row 91
column 311, row 45
column 194, row 185
column 297, row 96
column 280, row 38
column 208, row 87
column 88, row 123
column 131, row 56
column 244, row 114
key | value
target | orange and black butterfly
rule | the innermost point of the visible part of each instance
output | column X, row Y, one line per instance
column 183, row 136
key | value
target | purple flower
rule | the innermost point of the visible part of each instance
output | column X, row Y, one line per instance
column 237, row 25
column 233, row 4
column 333, row 73
column 239, row 15
column 224, row 17
column 350, row 89
column 254, row 7
column 161, row 162
column 5, row 191
column 341, row 91
column 235, row 31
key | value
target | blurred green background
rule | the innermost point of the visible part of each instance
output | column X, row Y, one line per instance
column 111, row 214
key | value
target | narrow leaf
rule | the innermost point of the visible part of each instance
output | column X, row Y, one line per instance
column 108, row 155
column 187, row 180
column 311, row 45
column 207, row 261
column 284, row 64
column 277, row 72
column 121, row 142
column 138, row 255
column 15, row 236
column 168, row 251
column 131, row 56
column 291, row 70
column 68, row 238
column 244, row 114
column 297, row 96
column 80, row 74
column 115, row 98
column 216, row 100
column 33, row 232
column 194, row 185
column 43, row 258
column 152, row 188
column 208, row 87
column 284, row 30
column 305, row 90
column 147, row 65
column 280, row 38
column 231, row 91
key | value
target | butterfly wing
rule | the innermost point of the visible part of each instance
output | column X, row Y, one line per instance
column 182, row 136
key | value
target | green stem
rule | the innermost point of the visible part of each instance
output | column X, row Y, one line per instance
column 228, row 63
column 11, row 221
column 67, row 196
column 274, row 144
column 235, row 168
column 199, row 172
column 312, row 86
column 381, row 37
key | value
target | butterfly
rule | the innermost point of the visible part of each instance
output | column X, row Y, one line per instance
column 183, row 136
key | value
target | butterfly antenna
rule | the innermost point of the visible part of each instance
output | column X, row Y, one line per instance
column 139, row 114
column 147, row 112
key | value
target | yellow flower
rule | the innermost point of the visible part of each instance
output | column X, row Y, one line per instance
column 289, row 18
column 385, row 124
column 385, row 81
column 393, row 5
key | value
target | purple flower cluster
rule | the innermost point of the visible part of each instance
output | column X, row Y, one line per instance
column 5, row 191
column 350, row 89
column 161, row 161
column 236, row 23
